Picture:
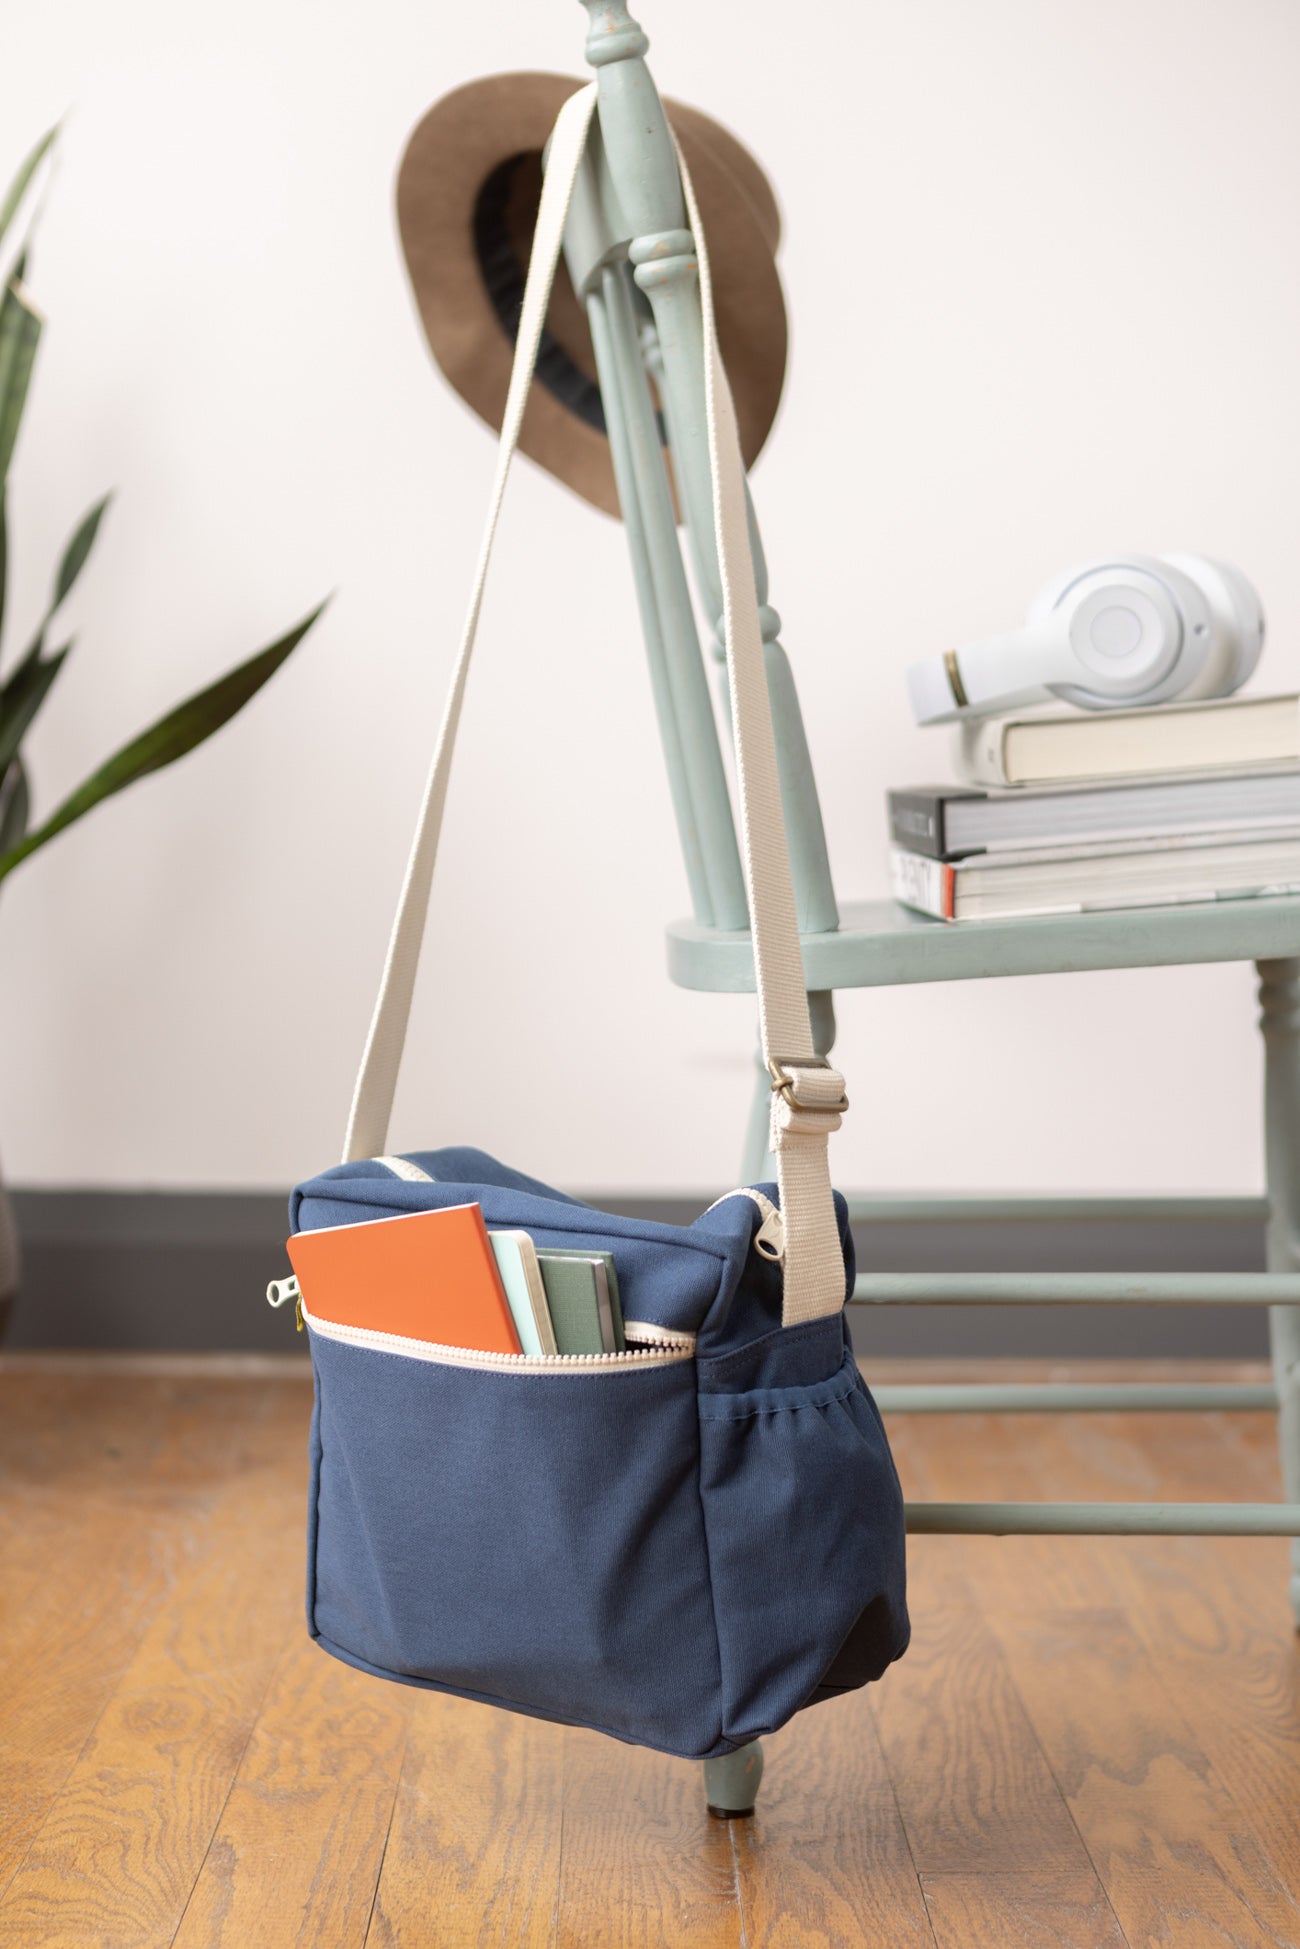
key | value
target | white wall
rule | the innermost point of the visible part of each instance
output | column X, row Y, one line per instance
column 1044, row 297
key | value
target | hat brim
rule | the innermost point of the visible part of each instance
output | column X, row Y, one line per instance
column 452, row 153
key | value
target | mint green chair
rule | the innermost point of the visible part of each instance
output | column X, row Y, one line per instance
column 873, row 944
column 637, row 279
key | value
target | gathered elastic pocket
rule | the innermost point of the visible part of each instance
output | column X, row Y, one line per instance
column 522, row 1529
column 805, row 1532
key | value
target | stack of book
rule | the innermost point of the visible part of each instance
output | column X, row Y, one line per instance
column 1077, row 812
column 443, row 1278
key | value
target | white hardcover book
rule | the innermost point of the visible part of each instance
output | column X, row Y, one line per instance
column 1220, row 734
column 1098, row 879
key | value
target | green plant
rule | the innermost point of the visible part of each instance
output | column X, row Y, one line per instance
column 25, row 687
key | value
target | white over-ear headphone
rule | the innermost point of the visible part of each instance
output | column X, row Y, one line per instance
column 1113, row 634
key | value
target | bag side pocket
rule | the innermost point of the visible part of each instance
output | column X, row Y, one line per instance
column 804, row 1520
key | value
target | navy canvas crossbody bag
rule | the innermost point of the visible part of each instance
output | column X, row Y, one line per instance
column 683, row 1543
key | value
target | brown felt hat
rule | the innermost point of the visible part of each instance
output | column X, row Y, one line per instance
column 467, row 195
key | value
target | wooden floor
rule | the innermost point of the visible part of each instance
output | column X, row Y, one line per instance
column 1090, row 1742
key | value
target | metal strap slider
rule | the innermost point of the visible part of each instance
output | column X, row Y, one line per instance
column 787, row 1087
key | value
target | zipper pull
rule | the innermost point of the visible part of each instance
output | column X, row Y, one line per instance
column 769, row 1239
column 280, row 1292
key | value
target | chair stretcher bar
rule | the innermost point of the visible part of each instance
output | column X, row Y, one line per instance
column 1074, row 1397
column 1077, row 1289
column 1103, row 1518
column 902, row 1207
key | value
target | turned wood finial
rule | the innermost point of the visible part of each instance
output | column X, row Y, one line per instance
column 612, row 34
column 634, row 130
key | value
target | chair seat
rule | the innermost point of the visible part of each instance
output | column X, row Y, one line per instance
column 880, row 944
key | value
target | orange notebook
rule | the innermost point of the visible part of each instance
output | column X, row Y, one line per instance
column 429, row 1275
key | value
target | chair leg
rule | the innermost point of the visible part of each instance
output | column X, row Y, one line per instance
column 1279, row 997
column 731, row 1783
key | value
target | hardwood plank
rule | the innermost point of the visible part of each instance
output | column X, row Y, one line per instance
column 102, row 1435
column 70, row 1508
column 1228, row 1457
column 28, row 1789
column 103, row 1512
column 64, row 1643
column 1212, row 1616
column 824, row 1858
column 936, row 1572
column 1124, row 1457
column 60, row 1669
column 642, row 1864
column 1179, row 1861
column 1230, row 1881
column 87, row 1567
column 1020, row 1912
column 1048, row 1457
column 975, row 1792
column 1006, row 1458
column 475, row 1838
column 117, row 1857
column 62, row 1647
column 91, row 1464
column 150, row 1553
column 296, row 1855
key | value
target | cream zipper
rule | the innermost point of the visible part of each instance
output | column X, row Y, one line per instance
column 649, row 1333
column 682, row 1348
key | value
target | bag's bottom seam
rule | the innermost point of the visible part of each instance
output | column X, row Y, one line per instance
column 358, row 1660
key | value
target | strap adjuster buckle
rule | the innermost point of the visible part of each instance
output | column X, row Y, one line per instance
column 785, row 1086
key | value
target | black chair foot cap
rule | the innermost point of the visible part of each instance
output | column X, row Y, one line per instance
column 731, row 1813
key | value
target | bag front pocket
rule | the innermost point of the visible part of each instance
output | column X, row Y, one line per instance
column 523, row 1529
column 805, row 1531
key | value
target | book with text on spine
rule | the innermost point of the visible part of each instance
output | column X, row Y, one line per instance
column 952, row 821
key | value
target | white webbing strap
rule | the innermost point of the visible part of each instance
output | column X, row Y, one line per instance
column 372, row 1099
column 806, row 1109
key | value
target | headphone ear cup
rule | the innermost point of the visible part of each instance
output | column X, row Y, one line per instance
column 1238, row 619
column 1194, row 638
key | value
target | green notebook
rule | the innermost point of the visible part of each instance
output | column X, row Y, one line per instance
column 582, row 1293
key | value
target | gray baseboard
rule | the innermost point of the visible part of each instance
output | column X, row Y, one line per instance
column 187, row 1271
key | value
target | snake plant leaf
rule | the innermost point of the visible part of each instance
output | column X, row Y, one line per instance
column 74, row 560
column 164, row 742
column 4, row 551
column 14, row 806
column 26, row 170
column 74, row 555
column 20, row 699
column 20, row 331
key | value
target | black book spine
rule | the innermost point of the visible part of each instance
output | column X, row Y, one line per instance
column 917, row 819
